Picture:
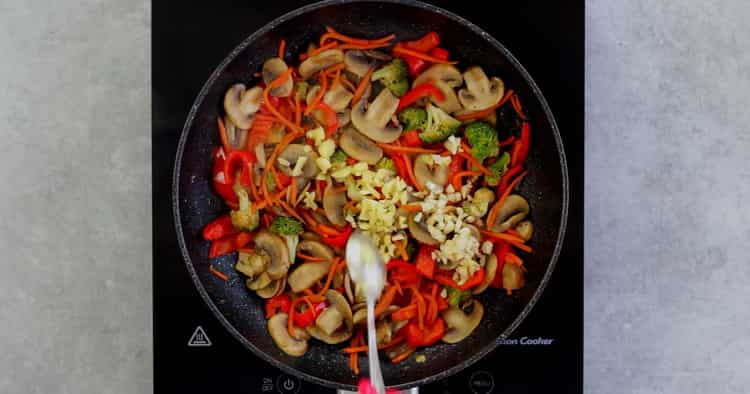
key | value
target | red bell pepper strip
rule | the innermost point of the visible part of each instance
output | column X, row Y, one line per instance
column 331, row 120
column 424, row 261
column 229, row 244
column 402, row 271
column 439, row 53
column 339, row 240
column 419, row 91
column 222, row 182
column 308, row 317
column 401, row 171
column 279, row 303
column 430, row 335
column 456, row 166
column 242, row 239
column 425, row 43
column 501, row 249
column 411, row 138
column 219, row 228
column 507, row 179
column 446, row 278
column 442, row 304
column 521, row 147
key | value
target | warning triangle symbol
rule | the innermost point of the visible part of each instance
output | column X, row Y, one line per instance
column 199, row 338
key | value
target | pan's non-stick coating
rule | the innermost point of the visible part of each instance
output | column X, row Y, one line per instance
column 196, row 204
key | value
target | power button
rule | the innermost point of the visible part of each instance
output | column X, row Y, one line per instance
column 287, row 384
column 481, row 382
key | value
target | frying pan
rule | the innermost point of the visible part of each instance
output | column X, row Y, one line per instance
column 195, row 204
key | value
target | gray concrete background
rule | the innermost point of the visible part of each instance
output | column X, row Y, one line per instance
column 666, row 228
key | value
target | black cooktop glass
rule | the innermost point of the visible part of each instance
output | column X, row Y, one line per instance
column 190, row 39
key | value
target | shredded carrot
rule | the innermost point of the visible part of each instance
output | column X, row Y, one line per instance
column 272, row 159
column 218, row 273
column 297, row 111
column 475, row 163
column 404, row 313
column 331, row 272
column 516, row 242
column 358, row 349
column 349, row 206
column 266, row 100
column 385, row 301
column 333, row 34
column 400, row 49
column 293, row 193
column 246, row 250
column 456, row 181
column 513, row 258
column 282, row 48
column 363, row 83
column 322, row 48
column 290, row 210
column 516, row 103
column 336, row 79
column 374, row 45
column 407, row 149
column 401, row 248
column 487, row 111
column 309, row 258
column 410, row 172
column 309, row 219
column 293, row 310
column 398, row 288
column 335, row 67
column 328, row 230
column 403, row 356
column 354, row 349
column 411, row 207
column 321, row 92
column 265, row 117
column 223, row 135
column 348, row 84
column 420, row 306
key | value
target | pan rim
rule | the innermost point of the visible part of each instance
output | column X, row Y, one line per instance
column 534, row 90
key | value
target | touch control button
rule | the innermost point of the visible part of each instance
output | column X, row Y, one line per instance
column 481, row 382
column 287, row 384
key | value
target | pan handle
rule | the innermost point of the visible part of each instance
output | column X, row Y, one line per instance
column 413, row 390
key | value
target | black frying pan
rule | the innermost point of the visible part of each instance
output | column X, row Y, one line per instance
column 195, row 204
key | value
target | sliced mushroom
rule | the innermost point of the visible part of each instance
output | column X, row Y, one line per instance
column 315, row 248
column 322, row 60
column 525, row 229
column 344, row 117
column 348, row 287
column 358, row 146
column 490, row 270
column 259, row 282
column 459, row 324
column 294, row 152
column 343, row 331
column 373, row 122
column 252, row 264
column 338, row 97
column 236, row 136
column 241, row 104
column 419, row 232
column 359, row 62
column 307, row 274
column 276, row 249
column 426, row 170
column 512, row 277
column 310, row 236
column 277, row 327
column 480, row 92
column 333, row 205
column 329, row 320
column 445, row 77
column 383, row 331
column 272, row 68
column 273, row 289
column 514, row 209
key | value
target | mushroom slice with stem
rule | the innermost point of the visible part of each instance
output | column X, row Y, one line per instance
column 358, row 146
column 295, row 152
column 490, row 272
column 525, row 229
column 277, row 327
column 258, row 282
column 445, row 77
column 252, row 264
column 512, row 277
column 460, row 324
column 343, row 327
column 333, row 205
column 338, row 97
column 359, row 62
column 418, row 231
column 322, row 60
column 273, row 289
column 236, row 136
column 427, row 170
column 514, row 209
column 241, row 104
column 373, row 121
column 480, row 92
column 307, row 274
column 272, row 68
column 276, row 249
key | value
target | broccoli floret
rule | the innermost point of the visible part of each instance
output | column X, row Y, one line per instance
column 386, row 164
column 498, row 169
column 394, row 76
column 455, row 296
column 439, row 125
column 482, row 138
column 246, row 218
column 286, row 226
column 338, row 156
column 413, row 118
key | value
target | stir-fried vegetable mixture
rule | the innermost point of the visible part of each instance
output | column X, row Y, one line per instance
column 391, row 138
